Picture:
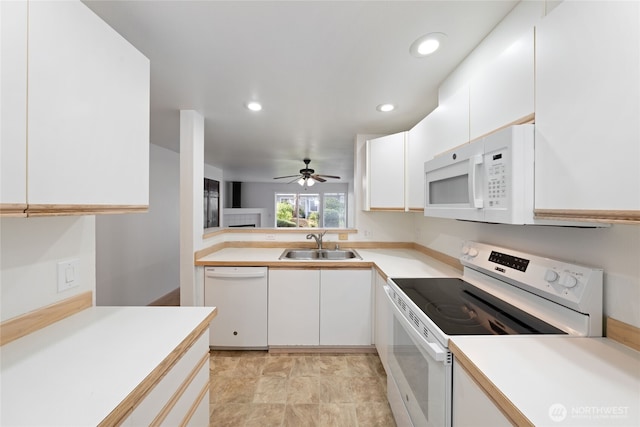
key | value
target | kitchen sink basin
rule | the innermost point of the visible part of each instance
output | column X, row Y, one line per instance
column 319, row 254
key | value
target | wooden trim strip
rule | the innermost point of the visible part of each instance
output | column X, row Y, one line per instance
column 624, row 333
column 162, row 415
column 529, row 118
column 612, row 216
column 505, row 406
column 195, row 405
column 59, row 210
column 281, row 230
column 120, row 412
column 213, row 233
column 13, row 210
column 211, row 249
column 399, row 209
column 27, row 323
column 440, row 256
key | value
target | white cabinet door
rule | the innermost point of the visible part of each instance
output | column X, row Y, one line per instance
column 383, row 322
column 587, row 109
column 418, row 140
column 294, row 307
column 386, row 172
column 471, row 406
column 345, row 307
column 88, row 109
column 240, row 294
column 449, row 123
column 13, row 93
column 503, row 92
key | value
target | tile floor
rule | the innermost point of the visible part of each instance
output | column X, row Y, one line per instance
column 255, row 388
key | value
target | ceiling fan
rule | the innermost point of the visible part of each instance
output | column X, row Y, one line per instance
column 307, row 176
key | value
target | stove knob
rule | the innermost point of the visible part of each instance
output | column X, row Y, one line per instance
column 550, row 276
column 568, row 281
column 473, row 252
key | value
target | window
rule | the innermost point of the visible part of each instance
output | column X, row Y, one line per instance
column 325, row 210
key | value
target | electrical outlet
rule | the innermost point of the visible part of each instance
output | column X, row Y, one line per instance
column 367, row 234
column 68, row 274
column 270, row 237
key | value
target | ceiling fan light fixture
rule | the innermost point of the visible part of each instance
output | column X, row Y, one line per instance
column 254, row 106
column 301, row 181
column 310, row 181
column 385, row 108
column 427, row 44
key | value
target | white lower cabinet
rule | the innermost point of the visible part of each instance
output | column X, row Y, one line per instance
column 319, row 307
column 179, row 397
column 383, row 321
column 294, row 307
column 471, row 406
column 345, row 307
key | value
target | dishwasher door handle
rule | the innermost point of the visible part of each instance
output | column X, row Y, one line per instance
column 235, row 275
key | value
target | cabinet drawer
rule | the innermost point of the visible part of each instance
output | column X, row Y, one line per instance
column 161, row 398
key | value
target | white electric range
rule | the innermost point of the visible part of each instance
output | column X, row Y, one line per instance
column 501, row 292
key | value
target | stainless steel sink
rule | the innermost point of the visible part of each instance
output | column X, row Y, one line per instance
column 319, row 254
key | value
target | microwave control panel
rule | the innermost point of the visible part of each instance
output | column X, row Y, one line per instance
column 496, row 178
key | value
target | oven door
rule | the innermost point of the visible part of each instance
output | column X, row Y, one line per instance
column 454, row 184
column 421, row 375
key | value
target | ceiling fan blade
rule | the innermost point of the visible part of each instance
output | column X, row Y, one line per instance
column 297, row 177
column 287, row 176
column 318, row 178
column 328, row 176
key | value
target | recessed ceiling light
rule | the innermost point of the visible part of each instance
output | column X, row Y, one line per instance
column 254, row 106
column 385, row 108
column 427, row 44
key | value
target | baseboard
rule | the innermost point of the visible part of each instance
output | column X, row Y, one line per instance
column 170, row 299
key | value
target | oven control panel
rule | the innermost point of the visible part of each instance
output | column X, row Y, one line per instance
column 575, row 286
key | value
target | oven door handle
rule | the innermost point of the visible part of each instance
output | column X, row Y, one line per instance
column 435, row 351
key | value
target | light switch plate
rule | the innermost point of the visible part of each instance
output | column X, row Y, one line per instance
column 68, row 274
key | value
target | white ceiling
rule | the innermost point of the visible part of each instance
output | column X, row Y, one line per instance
column 319, row 68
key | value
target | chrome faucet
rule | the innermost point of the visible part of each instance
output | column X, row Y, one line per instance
column 317, row 237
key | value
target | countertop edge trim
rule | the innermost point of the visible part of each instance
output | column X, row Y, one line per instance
column 508, row 409
column 119, row 414
column 25, row 324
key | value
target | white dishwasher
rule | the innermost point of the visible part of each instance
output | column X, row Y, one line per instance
column 240, row 294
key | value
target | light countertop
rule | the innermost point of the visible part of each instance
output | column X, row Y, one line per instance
column 77, row 370
column 393, row 262
column 559, row 380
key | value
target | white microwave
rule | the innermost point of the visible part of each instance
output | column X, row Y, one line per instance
column 488, row 180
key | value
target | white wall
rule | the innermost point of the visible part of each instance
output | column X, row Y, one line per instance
column 616, row 250
column 137, row 255
column 30, row 250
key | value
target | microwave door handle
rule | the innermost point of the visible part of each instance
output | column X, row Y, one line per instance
column 474, row 161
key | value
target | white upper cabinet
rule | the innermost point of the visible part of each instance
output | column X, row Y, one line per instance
column 13, row 93
column 450, row 123
column 88, row 110
column 417, row 144
column 587, row 111
column 386, row 173
column 76, row 135
column 502, row 94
